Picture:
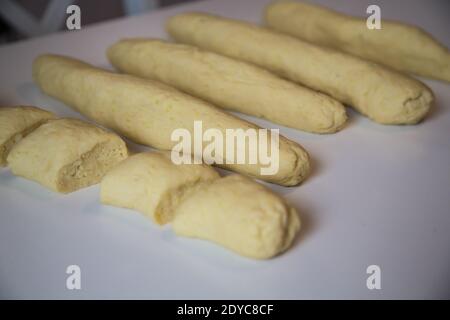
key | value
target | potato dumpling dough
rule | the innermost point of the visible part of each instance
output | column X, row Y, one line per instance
column 66, row 154
column 229, row 83
column 383, row 95
column 149, row 112
column 398, row 45
column 240, row 215
column 150, row 183
column 16, row 123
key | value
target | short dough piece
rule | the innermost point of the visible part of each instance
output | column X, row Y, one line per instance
column 398, row 45
column 66, row 154
column 150, row 183
column 238, row 214
column 16, row 123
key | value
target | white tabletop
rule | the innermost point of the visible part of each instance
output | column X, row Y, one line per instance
column 379, row 195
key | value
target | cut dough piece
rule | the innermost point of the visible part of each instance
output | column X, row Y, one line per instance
column 150, row 183
column 16, row 123
column 380, row 93
column 234, row 211
column 398, row 45
column 229, row 83
column 149, row 112
column 238, row 214
column 66, row 154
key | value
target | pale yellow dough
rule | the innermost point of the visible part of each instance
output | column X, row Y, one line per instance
column 152, row 184
column 234, row 211
column 240, row 215
column 15, row 123
column 148, row 112
column 383, row 95
column 229, row 83
column 65, row 155
column 401, row 46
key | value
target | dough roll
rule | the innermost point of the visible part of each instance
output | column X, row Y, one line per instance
column 382, row 94
column 229, row 83
column 398, row 45
column 16, row 123
column 148, row 112
column 240, row 215
column 65, row 155
column 150, row 183
column 234, row 211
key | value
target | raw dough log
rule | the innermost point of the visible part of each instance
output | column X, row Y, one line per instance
column 152, row 184
column 381, row 94
column 229, row 83
column 16, row 123
column 234, row 211
column 65, row 155
column 238, row 214
column 398, row 45
column 148, row 112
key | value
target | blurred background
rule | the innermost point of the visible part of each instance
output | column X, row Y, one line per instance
column 21, row 19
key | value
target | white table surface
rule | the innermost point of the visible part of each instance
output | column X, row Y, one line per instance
column 378, row 195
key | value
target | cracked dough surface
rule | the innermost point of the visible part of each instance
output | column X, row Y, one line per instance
column 383, row 95
column 15, row 123
column 229, row 83
column 66, row 154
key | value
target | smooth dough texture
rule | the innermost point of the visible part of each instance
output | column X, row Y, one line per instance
column 240, row 215
column 148, row 112
column 16, row 123
column 383, row 95
column 229, row 83
column 150, row 183
column 65, row 155
column 398, row 45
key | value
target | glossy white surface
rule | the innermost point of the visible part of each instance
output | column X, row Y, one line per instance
column 378, row 195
